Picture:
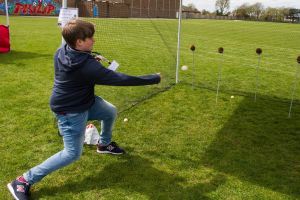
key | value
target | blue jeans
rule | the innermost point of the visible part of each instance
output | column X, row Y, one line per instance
column 72, row 128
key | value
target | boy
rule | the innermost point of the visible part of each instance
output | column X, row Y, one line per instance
column 74, row 103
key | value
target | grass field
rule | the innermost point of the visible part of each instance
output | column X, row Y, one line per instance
column 180, row 144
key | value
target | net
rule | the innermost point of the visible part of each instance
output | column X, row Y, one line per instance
column 141, row 35
column 270, row 75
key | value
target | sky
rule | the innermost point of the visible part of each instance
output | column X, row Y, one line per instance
column 210, row 4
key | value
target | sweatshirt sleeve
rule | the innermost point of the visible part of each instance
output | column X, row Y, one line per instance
column 100, row 75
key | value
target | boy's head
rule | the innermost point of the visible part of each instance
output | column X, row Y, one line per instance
column 79, row 34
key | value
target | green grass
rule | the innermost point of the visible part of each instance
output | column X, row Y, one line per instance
column 240, row 40
column 180, row 144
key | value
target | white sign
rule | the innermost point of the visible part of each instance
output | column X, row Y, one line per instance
column 113, row 66
column 67, row 14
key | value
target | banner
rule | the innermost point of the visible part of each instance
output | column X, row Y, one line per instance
column 67, row 14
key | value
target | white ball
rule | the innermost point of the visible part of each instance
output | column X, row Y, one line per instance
column 125, row 120
column 232, row 97
column 184, row 68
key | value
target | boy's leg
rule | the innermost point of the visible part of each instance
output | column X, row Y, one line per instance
column 106, row 113
column 72, row 128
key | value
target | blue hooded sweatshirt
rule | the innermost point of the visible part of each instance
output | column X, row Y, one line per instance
column 77, row 73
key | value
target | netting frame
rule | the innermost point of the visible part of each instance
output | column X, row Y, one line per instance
column 179, row 16
column 7, row 14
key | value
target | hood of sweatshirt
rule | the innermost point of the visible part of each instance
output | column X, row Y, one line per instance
column 70, row 59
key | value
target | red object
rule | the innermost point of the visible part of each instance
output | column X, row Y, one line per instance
column 4, row 39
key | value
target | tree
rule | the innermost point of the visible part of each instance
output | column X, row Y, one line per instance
column 242, row 12
column 257, row 9
column 222, row 6
column 258, row 12
column 205, row 12
column 246, row 11
column 294, row 14
column 274, row 14
column 190, row 7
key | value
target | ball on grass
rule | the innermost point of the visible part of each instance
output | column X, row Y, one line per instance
column 232, row 97
column 221, row 50
column 184, row 68
column 259, row 51
column 193, row 48
column 125, row 120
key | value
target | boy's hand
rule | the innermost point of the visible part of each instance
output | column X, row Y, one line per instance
column 102, row 58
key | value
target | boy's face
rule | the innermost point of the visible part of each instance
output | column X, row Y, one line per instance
column 85, row 45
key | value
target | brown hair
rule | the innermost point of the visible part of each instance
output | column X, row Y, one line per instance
column 77, row 29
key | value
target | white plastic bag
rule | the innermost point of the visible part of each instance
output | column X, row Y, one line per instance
column 91, row 135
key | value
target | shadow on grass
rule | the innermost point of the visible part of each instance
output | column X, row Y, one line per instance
column 135, row 174
column 261, row 145
column 16, row 56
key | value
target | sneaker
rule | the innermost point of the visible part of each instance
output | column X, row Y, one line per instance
column 112, row 148
column 19, row 188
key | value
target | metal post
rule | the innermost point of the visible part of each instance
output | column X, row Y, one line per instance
column 140, row 8
column 169, row 8
column 178, row 43
column 148, row 8
column 163, row 8
column 64, row 4
column 156, row 9
column 257, row 77
column 294, row 90
column 7, row 18
column 219, row 77
column 193, row 69
column 131, row 8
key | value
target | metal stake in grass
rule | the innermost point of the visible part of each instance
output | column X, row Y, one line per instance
column 221, row 51
column 193, row 48
column 295, row 85
column 258, row 52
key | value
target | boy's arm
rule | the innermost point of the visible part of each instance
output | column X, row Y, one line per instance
column 103, row 76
